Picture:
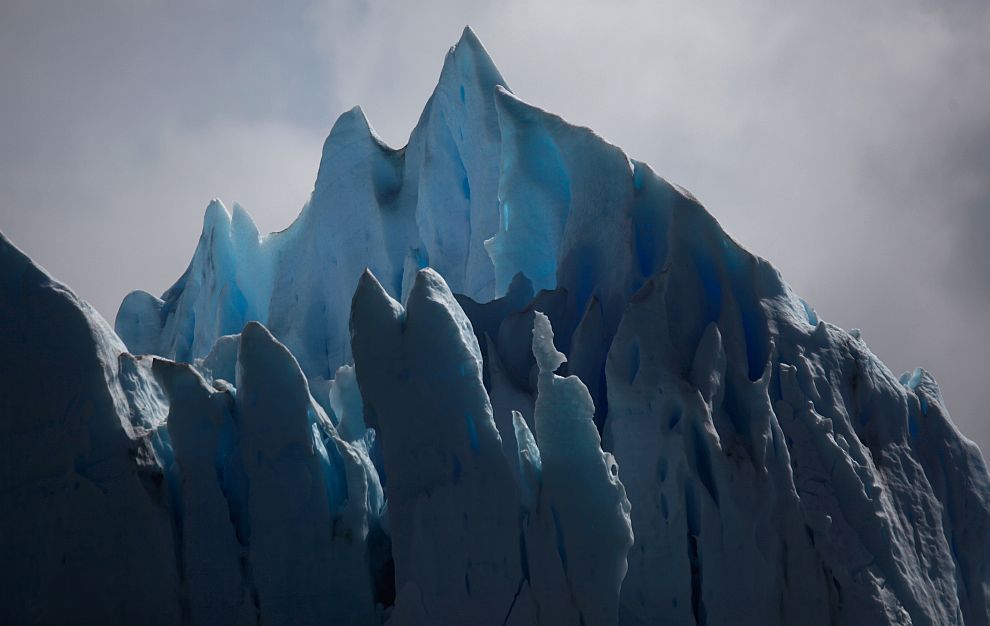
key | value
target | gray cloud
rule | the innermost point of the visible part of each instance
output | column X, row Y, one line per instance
column 849, row 143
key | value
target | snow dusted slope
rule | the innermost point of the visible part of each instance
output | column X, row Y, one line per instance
column 592, row 407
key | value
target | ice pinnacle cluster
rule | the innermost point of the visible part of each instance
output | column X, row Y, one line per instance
column 505, row 375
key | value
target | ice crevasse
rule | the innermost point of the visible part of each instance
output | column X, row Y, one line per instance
column 504, row 375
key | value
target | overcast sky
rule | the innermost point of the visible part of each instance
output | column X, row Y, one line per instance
column 847, row 142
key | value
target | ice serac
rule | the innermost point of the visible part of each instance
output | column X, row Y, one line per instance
column 344, row 228
column 306, row 548
column 452, row 501
column 212, row 523
column 581, row 496
column 85, row 534
column 455, row 157
column 272, row 508
column 227, row 283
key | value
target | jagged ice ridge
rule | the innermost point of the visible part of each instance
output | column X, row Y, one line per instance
column 502, row 375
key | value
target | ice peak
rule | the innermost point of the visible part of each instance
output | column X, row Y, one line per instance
column 372, row 301
column 352, row 147
column 216, row 216
column 267, row 372
column 13, row 262
column 468, row 69
column 352, row 125
column 547, row 356
column 469, row 38
column 469, row 51
column 429, row 285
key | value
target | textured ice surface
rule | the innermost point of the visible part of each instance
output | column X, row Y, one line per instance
column 503, row 375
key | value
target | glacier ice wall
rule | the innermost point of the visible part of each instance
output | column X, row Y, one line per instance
column 502, row 375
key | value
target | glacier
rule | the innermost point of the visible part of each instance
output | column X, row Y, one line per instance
column 503, row 375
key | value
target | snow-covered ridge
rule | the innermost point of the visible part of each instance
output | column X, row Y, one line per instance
column 503, row 375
